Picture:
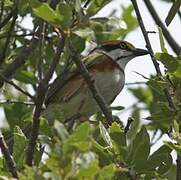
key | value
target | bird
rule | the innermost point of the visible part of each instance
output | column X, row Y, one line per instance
column 70, row 95
column 106, row 64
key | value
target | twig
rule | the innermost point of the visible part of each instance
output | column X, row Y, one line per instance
column 9, row 159
column 97, row 96
column 41, row 40
column 3, row 54
column 128, row 108
column 4, row 35
column 2, row 10
column 20, row 59
column 17, row 87
column 41, row 91
column 173, row 44
column 7, row 101
column 135, row 83
column 130, row 120
column 6, row 19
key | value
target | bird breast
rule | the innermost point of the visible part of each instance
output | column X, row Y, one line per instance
column 110, row 83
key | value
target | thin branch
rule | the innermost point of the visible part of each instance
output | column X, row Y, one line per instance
column 2, row 10
column 20, row 59
column 3, row 54
column 7, row 101
column 9, row 159
column 129, row 122
column 17, row 87
column 41, row 92
column 135, row 83
column 97, row 96
column 4, row 35
column 173, row 44
column 41, row 40
column 6, row 19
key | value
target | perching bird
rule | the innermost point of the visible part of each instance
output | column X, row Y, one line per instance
column 71, row 95
column 106, row 64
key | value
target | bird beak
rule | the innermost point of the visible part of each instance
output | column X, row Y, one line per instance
column 140, row 52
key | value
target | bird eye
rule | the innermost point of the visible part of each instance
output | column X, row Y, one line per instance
column 123, row 45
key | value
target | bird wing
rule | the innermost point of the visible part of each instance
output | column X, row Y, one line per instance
column 69, row 83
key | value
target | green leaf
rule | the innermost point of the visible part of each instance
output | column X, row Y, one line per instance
column 19, row 148
column 65, row 11
column 160, row 160
column 26, row 77
column 135, row 124
column 117, row 108
column 81, row 133
column 90, row 171
column 174, row 146
column 118, row 139
column 162, row 44
column 169, row 61
column 61, row 130
column 105, row 134
column 77, row 138
column 82, row 146
column 95, row 6
column 44, row 11
column 143, row 94
column 176, row 126
column 139, row 149
column 77, row 42
column 172, row 12
column 157, row 85
column 129, row 18
column 107, row 172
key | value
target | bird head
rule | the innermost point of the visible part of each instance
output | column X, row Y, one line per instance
column 120, row 51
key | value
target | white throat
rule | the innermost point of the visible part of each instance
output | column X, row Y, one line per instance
column 120, row 56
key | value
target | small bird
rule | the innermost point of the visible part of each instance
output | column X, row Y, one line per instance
column 106, row 64
column 69, row 94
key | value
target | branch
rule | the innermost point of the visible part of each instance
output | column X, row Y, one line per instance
column 173, row 44
column 129, row 122
column 41, row 43
column 6, row 19
column 41, row 92
column 9, row 159
column 97, row 96
column 15, row 16
column 17, row 87
column 135, row 83
column 20, row 59
column 7, row 101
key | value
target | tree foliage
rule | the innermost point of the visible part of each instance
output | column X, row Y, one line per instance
column 86, row 151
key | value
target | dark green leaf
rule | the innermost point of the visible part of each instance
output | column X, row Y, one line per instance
column 65, row 11
column 77, row 42
column 19, row 149
column 135, row 124
column 107, row 172
column 26, row 77
column 169, row 61
column 162, row 44
column 44, row 11
column 117, row 108
column 139, row 149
